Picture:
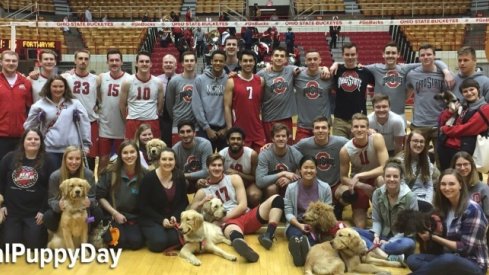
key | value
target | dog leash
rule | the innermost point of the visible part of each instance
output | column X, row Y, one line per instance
column 372, row 248
column 172, row 250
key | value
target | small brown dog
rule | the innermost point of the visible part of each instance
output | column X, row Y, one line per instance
column 201, row 236
column 73, row 226
column 213, row 210
column 153, row 150
column 342, row 254
column 320, row 217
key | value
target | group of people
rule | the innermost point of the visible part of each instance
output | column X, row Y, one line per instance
column 259, row 170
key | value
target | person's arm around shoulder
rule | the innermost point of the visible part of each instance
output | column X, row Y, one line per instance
column 228, row 102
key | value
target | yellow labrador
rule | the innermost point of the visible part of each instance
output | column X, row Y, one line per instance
column 201, row 236
column 73, row 227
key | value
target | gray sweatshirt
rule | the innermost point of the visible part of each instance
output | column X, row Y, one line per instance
column 208, row 99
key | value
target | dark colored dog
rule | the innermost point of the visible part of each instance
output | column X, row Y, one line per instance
column 450, row 101
column 412, row 222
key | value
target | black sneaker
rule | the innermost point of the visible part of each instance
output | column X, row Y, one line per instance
column 244, row 250
column 305, row 246
column 295, row 251
column 265, row 240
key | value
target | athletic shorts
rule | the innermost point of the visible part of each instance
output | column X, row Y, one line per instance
column 302, row 133
column 108, row 145
column 94, row 149
column 267, row 127
column 133, row 124
column 248, row 222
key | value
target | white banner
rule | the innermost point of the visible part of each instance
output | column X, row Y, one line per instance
column 238, row 24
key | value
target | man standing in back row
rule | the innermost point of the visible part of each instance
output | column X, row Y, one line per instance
column 15, row 101
column 425, row 82
column 84, row 86
column 142, row 98
column 242, row 102
column 350, row 83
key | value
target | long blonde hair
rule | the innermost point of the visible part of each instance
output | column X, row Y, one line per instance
column 64, row 172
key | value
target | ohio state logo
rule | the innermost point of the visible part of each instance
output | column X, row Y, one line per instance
column 324, row 161
column 186, row 94
column 312, row 90
column 392, row 79
column 24, row 177
column 279, row 85
column 192, row 164
column 349, row 81
column 281, row 167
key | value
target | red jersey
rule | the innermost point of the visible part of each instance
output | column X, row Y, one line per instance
column 247, row 99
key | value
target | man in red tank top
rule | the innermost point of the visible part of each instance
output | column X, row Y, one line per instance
column 242, row 102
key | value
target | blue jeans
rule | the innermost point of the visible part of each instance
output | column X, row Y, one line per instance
column 394, row 246
column 293, row 231
column 446, row 264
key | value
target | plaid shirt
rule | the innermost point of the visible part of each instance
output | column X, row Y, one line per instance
column 469, row 231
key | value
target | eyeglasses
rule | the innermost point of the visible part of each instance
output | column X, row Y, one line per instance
column 419, row 141
column 460, row 165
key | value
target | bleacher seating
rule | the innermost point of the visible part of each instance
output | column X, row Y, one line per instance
column 46, row 6
column 413, row 8
column 99, row 40
column 443, row 37
column 116, row 9
column 217, row 6
column 369, row 50
column 157, row 58
column 317, row 41
column 319, row 5
column 36, row 34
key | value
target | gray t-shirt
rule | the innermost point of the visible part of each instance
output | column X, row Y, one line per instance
column 393, row 127
column 327, row 157
column 426, row 85
column 193, row 160
column 392, row 83
column 312, row 98
column 179, row 99
column 269, row 165
column 278, row 99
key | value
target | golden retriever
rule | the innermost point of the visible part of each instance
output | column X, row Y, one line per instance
column 73, row 227
column 153, row 150
column 342, row 255
column 201, row 236
column 213, row 210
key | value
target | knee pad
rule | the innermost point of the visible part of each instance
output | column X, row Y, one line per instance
column 278, row 202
